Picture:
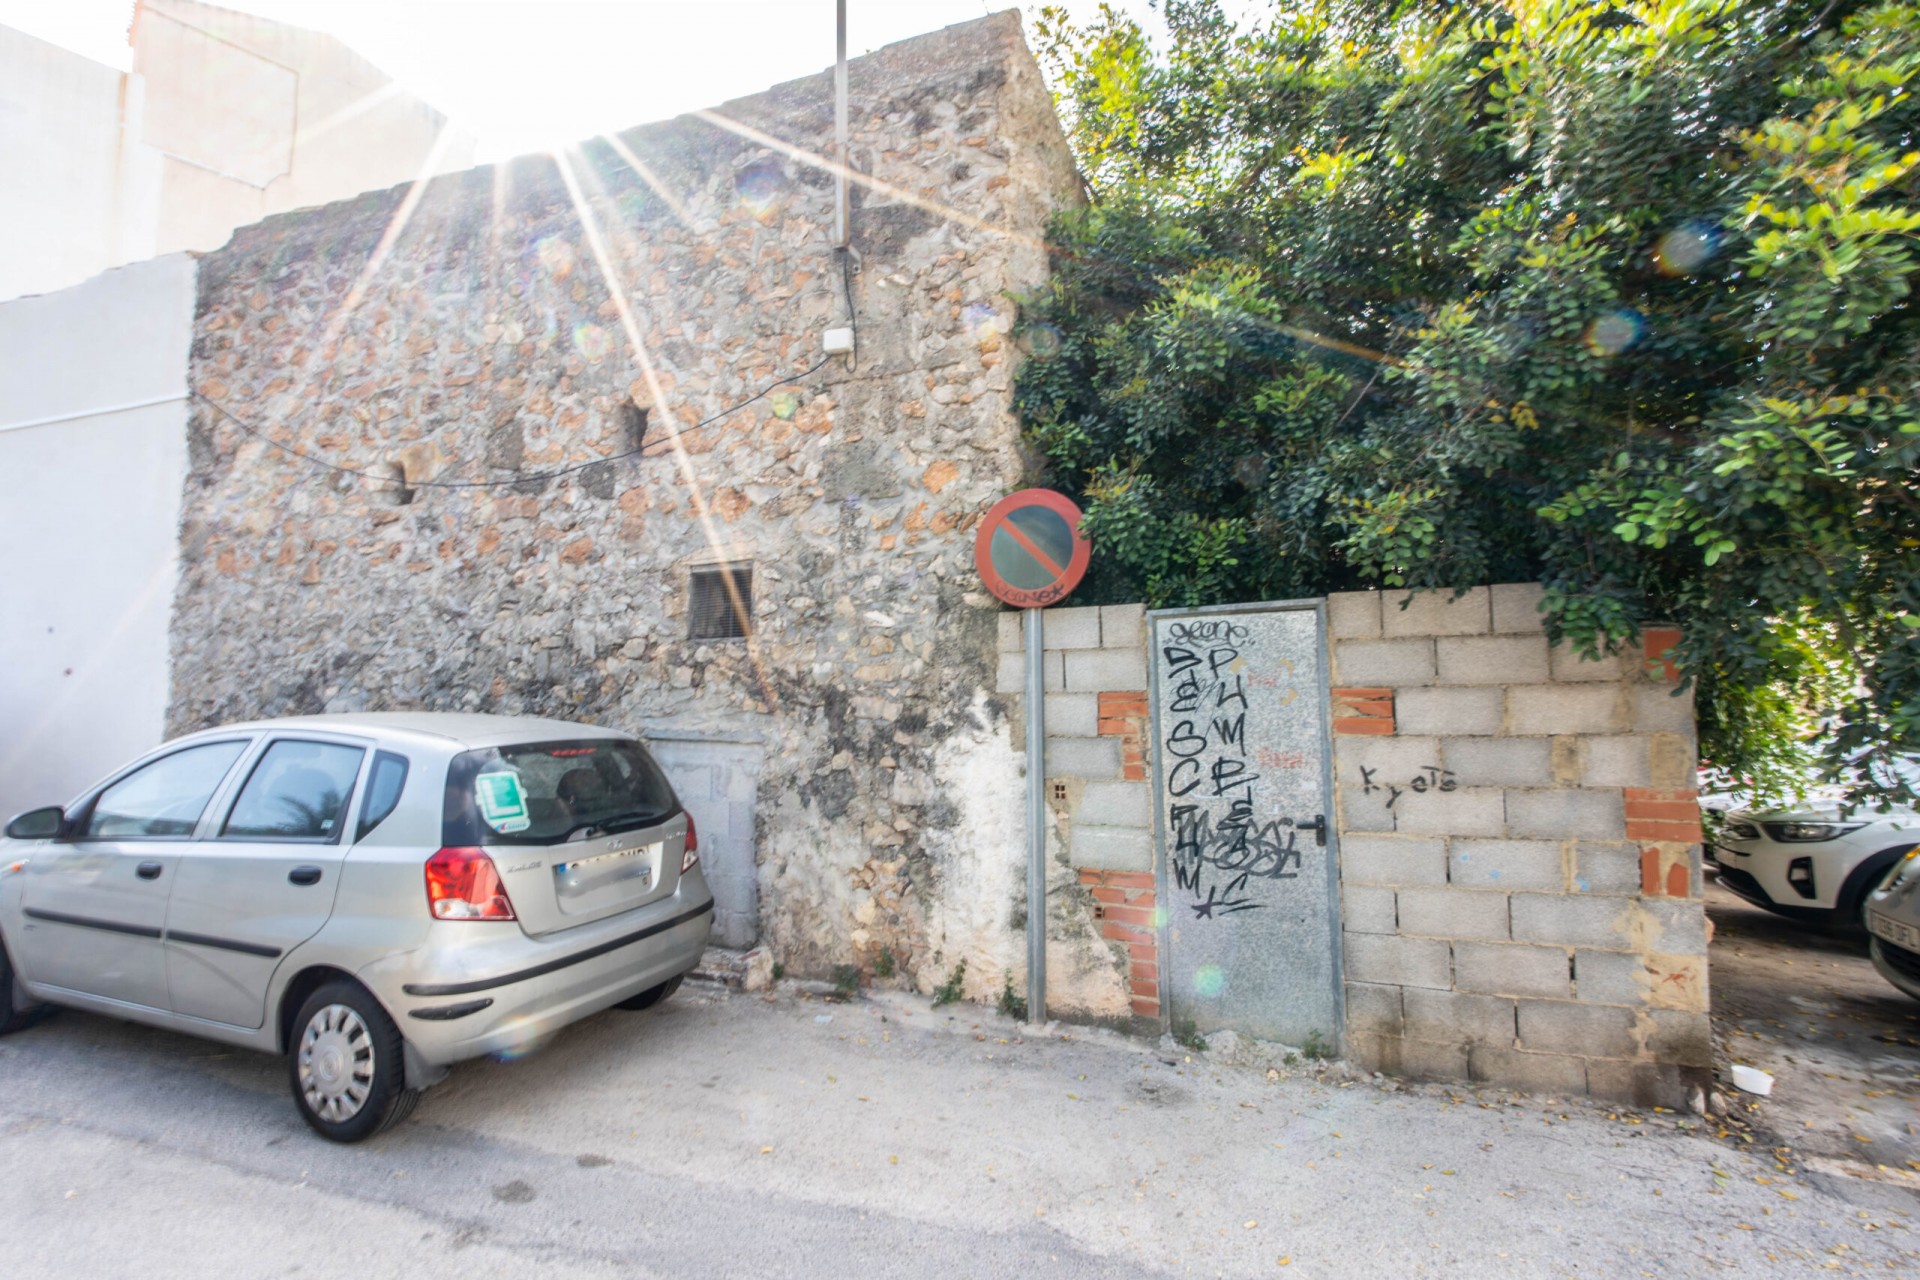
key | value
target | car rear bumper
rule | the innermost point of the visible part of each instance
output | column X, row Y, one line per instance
column 448, row 1012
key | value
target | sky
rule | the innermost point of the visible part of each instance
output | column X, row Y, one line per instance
column 529, row 75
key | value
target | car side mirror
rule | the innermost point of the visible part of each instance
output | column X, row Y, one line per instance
column 49, row 823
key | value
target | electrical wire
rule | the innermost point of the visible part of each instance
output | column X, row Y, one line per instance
column 537, row 478
column 846, row 281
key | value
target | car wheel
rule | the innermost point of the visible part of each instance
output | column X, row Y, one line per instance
column 349, row 1080
column 1865, row 878
column 13, row 1014
column 653, row 995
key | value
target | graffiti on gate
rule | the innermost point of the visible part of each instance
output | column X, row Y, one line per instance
column 1218, row 848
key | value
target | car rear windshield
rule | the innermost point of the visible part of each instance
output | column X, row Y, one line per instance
column 550, row 792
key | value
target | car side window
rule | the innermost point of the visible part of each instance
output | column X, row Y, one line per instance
column 165, row 798
column 298, row 791
column 384, row 785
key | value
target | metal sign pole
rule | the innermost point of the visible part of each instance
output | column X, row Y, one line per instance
column 1030, row 554
column 840, row 126
column 1036, row 819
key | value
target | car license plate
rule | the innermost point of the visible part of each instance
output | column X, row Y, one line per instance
column 622, row 864
column 1900, row 935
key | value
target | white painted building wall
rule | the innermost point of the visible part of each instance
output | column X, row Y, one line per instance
column 225, row 119
column 93, row 452
column 81, row 192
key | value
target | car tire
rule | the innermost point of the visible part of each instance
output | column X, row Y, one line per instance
column 1852, row 911
column 652, row 995
column 13, row 1014
column 345, row 1064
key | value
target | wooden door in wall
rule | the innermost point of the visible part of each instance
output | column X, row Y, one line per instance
column 1244, row 828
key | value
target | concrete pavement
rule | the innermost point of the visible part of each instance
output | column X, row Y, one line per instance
column 731, row 1135
column 1842, row 1043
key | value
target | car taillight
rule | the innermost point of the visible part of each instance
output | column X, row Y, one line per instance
column 692, row 855
column 463, row 884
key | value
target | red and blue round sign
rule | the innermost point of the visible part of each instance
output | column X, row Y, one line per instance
column 1029, row 548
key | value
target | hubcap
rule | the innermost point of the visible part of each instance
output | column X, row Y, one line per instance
column 336, row 1063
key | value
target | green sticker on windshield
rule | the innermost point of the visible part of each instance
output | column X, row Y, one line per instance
column 501, row 802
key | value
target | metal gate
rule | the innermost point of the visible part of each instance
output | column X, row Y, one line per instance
column 1244, row 829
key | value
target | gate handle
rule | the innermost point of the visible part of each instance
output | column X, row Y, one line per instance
column 1318, row 826
column 304, row 875
column 148, row 871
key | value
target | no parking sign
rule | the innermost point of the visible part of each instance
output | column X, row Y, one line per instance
column 1031, row 554
column 1029, row 549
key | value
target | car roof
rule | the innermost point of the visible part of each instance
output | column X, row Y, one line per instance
column 465, row 729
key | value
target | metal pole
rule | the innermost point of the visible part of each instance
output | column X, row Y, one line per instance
column 1036, row 819
column 840, row 128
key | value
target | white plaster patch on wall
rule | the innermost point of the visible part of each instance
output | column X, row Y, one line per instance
column 980, row 914
column 982, row 869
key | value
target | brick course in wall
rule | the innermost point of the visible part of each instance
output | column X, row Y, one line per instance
column 1125, row 904
column 1519, row 850
column 1123, row 715
column 1363, row 711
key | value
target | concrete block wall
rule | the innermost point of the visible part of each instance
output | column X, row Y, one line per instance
column 717, row 780
column 1519, row 850
column 1103, row 910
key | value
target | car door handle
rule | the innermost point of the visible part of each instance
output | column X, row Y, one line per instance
column 148, row 870
column 304, row 875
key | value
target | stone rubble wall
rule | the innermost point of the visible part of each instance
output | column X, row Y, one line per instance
column 1519, row 851
column 463, row 331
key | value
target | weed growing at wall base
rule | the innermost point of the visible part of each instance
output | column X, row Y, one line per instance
column 1014, row 1006
column 954, row 988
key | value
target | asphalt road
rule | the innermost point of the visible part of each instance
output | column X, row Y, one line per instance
column 735, row 1136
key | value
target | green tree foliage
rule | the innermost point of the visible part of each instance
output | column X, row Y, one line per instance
column 1613, row 296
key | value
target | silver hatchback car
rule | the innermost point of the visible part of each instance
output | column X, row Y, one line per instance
column 374, row 896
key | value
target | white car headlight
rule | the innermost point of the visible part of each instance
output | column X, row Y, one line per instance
column 1809, row 832
column 1906, row 872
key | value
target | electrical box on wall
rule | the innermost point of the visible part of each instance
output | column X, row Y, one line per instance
column 838, row 342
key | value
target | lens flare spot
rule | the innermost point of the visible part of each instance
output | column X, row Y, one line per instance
column 760, row 187
column 521, row 1041
column 556, row 255
column 1614, row 332
column 592, row 341
column 785, row 404
column 1043, row 341
column 984, row 324
column 1685, row 249
column 1208, row 980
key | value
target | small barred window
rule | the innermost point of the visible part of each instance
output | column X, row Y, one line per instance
column 720, row 602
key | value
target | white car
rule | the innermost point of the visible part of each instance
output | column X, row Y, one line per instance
column 1893, row 918
column 1815, row 865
